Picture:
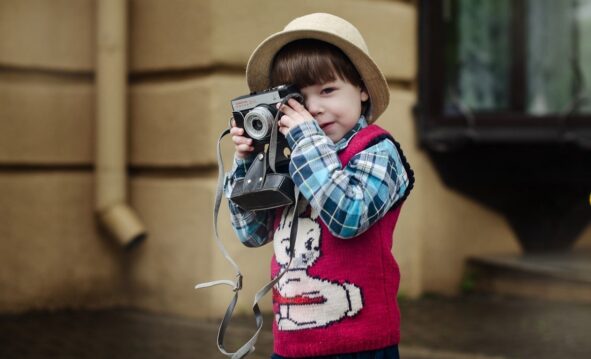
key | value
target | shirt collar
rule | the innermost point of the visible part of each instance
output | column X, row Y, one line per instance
column 344, row 142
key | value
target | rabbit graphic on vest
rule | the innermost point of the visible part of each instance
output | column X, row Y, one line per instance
column 305, row 301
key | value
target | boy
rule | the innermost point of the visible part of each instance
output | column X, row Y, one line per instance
column 339, row 294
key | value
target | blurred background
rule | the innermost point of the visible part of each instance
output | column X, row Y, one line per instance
column 110, row 112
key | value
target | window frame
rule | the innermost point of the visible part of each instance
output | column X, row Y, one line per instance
column 441, row 132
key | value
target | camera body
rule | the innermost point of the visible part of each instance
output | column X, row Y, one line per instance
column 256, row 114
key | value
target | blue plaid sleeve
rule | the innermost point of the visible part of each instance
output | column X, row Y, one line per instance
column 253, row 229
column 351, row 199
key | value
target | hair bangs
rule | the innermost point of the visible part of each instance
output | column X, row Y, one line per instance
column 312, row 62
column 303, row 71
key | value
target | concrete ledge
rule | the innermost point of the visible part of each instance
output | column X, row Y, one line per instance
column 560, row 276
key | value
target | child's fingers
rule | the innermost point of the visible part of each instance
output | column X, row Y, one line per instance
column 296, row 111
column 296, row 105
column 241, row 140
column 290, row 117
column 286, row 109
column 236, row 131
column 244, row 152
column 244, row 148
column 284, row 130
column 286, row 122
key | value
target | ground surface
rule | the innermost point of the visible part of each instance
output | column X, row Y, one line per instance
column 440, row 328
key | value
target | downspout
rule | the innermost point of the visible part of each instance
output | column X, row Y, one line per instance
column 111, row 117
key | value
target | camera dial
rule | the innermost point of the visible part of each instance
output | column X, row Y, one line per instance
column 258, row 122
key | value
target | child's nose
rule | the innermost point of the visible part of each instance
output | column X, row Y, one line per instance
column 313, row 106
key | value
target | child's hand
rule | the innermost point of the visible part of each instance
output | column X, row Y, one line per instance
column 242, row 144
column 294, row 113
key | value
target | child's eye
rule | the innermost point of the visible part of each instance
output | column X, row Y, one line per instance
column 328, row 90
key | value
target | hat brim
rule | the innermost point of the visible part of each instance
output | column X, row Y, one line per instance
column 259, row 65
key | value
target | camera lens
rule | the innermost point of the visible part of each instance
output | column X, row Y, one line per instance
column 258, row 123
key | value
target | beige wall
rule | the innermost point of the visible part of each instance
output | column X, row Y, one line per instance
column 187, row 60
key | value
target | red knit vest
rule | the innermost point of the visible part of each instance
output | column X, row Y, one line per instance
column 339, row 295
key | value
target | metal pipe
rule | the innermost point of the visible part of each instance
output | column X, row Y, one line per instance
column 111, row 114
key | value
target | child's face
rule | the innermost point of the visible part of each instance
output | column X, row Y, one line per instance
column 335, row 105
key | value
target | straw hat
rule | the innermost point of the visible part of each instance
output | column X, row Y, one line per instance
column 331, row 29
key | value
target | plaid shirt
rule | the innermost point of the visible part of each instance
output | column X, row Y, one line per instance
column 349, row 200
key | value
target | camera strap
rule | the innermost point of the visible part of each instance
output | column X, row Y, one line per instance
column 274, row 129
column 255, row 176
column 236, row 284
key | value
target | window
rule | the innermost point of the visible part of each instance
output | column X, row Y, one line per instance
column 505, row 71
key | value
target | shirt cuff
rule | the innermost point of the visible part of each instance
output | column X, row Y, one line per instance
column 240, row 166
column 239, row 169
column 303, row 130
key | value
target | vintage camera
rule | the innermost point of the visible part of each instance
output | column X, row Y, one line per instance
column 257, row 112
column 262, row 188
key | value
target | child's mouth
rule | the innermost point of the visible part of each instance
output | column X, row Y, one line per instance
column 325, row 125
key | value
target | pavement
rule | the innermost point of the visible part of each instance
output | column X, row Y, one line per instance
column 466, row 327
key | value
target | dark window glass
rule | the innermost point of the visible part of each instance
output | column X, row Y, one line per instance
column 516, row 57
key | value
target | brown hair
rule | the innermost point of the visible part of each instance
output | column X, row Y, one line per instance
column 311, row 62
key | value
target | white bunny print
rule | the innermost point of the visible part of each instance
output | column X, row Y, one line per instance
column 304, row 301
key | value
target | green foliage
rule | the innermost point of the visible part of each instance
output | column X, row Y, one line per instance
column 468, row 283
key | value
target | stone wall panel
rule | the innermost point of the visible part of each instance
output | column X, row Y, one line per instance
column 187, row 59
column 177, row 123
column 389, row 28
column 180, row 250
column 171, row 34
column 189, row 35
column 46, row 120
column 398, row 120
column 51, row 252
column 52, row 35
column 173, row 123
